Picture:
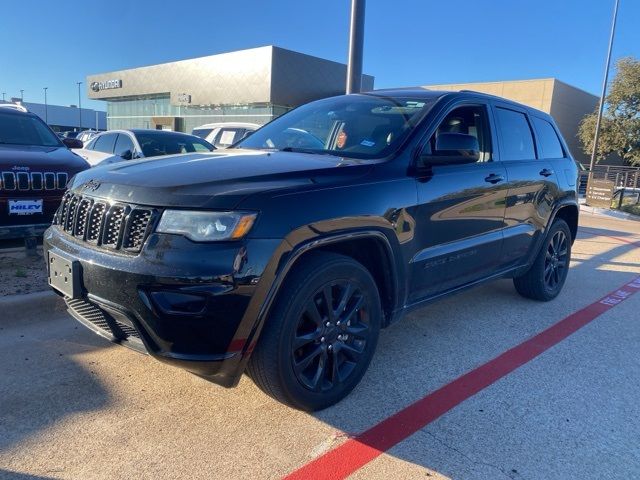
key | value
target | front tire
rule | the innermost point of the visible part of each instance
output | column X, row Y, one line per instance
column 321, row 334
column 546, row 277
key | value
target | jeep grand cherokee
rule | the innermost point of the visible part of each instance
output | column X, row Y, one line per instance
column 35, row 166
column 286, row 254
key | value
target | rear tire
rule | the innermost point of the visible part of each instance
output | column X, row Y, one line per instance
column 320, row 335
column 546, row 277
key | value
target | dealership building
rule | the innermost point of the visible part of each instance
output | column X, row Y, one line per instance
column 566, row 104
column 254, row 85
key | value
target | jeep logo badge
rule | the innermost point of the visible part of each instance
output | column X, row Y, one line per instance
column 91, row 185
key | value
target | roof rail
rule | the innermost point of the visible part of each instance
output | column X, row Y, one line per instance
column 14, row 106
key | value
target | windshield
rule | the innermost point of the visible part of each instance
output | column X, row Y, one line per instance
column 26, row 130
column 155, row 143
column 358, row 126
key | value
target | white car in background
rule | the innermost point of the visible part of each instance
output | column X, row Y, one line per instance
column 118, row 145
column 223, row 135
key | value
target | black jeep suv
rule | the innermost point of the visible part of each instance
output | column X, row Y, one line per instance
column 286, row 254
column 35, row 166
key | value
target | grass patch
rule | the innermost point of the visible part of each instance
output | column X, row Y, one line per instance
column 633, row 209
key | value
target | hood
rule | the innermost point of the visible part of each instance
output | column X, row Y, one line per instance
column 40, row 159
column 214, row 180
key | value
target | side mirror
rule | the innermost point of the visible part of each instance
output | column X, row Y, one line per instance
column 453, row 148
column 72, row 143
column 126, row 155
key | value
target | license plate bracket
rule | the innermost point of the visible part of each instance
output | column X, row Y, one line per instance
column 64, row 275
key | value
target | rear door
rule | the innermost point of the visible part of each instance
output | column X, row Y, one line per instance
column 460, row 213
column 531, row 183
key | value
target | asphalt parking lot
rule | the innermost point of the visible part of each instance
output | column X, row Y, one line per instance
column 562, row 406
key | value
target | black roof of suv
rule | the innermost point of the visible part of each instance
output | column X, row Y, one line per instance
column 35, row 167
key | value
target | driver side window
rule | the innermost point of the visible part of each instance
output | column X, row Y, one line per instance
column 469, row 120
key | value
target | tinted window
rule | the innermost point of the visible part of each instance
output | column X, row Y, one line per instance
column 468, row 120
column 228, row 136
column 201, row 132
column 105, row 143
column 548, row 139
column 356, row 126
column 156, row 143
column 517, row 142
column 26, row 130
column 123, row 144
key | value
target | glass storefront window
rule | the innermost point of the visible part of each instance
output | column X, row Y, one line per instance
column 138, row 112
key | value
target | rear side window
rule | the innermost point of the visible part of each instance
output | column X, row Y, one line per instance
column 548, row 139
column 515, row 132
column 105, row 143
column 123, row 144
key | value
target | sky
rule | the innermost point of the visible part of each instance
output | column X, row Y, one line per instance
column 407, row 42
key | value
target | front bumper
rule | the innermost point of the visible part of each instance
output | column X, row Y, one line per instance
column 184, row 303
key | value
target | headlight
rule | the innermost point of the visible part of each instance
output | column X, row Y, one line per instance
column 206, row 226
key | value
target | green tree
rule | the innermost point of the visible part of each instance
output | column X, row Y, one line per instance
column 620, row 125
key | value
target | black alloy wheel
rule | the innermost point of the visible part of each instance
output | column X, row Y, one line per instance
column 546, row 276
column 320, row 335
column 331, row 336
column 556, row 260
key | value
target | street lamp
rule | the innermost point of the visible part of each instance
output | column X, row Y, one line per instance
column 604, row 91
column 21, row 96
column 3, row 94
column 46, row 113
column 356, row 44
column 80, row 104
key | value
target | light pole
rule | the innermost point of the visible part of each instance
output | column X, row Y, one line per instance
column 3, row 94
column 21, row 96
column 80, row 105
column 604, row 91
column 46, row 113
column 356, row 43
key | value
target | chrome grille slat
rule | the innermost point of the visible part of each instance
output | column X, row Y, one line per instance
column 114, row 226
column 82, row 215
column 8, row 181
column 24, row 182
column 94, row 224
column 50, row 181
column 36, row 181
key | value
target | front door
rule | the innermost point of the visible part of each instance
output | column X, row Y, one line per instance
column 460, row 216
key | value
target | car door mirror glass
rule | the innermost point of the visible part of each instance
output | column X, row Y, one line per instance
column 126, row 155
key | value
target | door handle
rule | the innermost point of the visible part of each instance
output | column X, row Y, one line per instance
column 493, row 178
column 545, row 172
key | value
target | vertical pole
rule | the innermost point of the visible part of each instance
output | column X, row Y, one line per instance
column 604, row 90
column 21, row 96
column 356, row 44
column 80, row 105
column 46, row 113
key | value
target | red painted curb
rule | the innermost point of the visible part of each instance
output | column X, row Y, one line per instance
column 357, row 452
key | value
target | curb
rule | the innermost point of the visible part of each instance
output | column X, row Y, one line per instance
column 609, row 213
column 30, row 304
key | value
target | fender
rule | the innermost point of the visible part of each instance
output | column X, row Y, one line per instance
column 280, row 265
column 536, row 250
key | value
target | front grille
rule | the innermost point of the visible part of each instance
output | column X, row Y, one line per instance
column 111, row 225
column 104, row 321
column 25, row 181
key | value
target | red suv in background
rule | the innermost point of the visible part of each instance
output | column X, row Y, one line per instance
column 35, row 167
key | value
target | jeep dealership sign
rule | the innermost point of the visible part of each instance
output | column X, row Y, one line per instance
column 106, row 85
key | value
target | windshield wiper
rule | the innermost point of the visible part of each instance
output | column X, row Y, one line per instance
column 306, row 150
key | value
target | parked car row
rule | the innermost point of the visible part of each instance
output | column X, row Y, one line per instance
column 118, row 145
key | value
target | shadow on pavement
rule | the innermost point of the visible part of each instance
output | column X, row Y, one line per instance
column 440, row 342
